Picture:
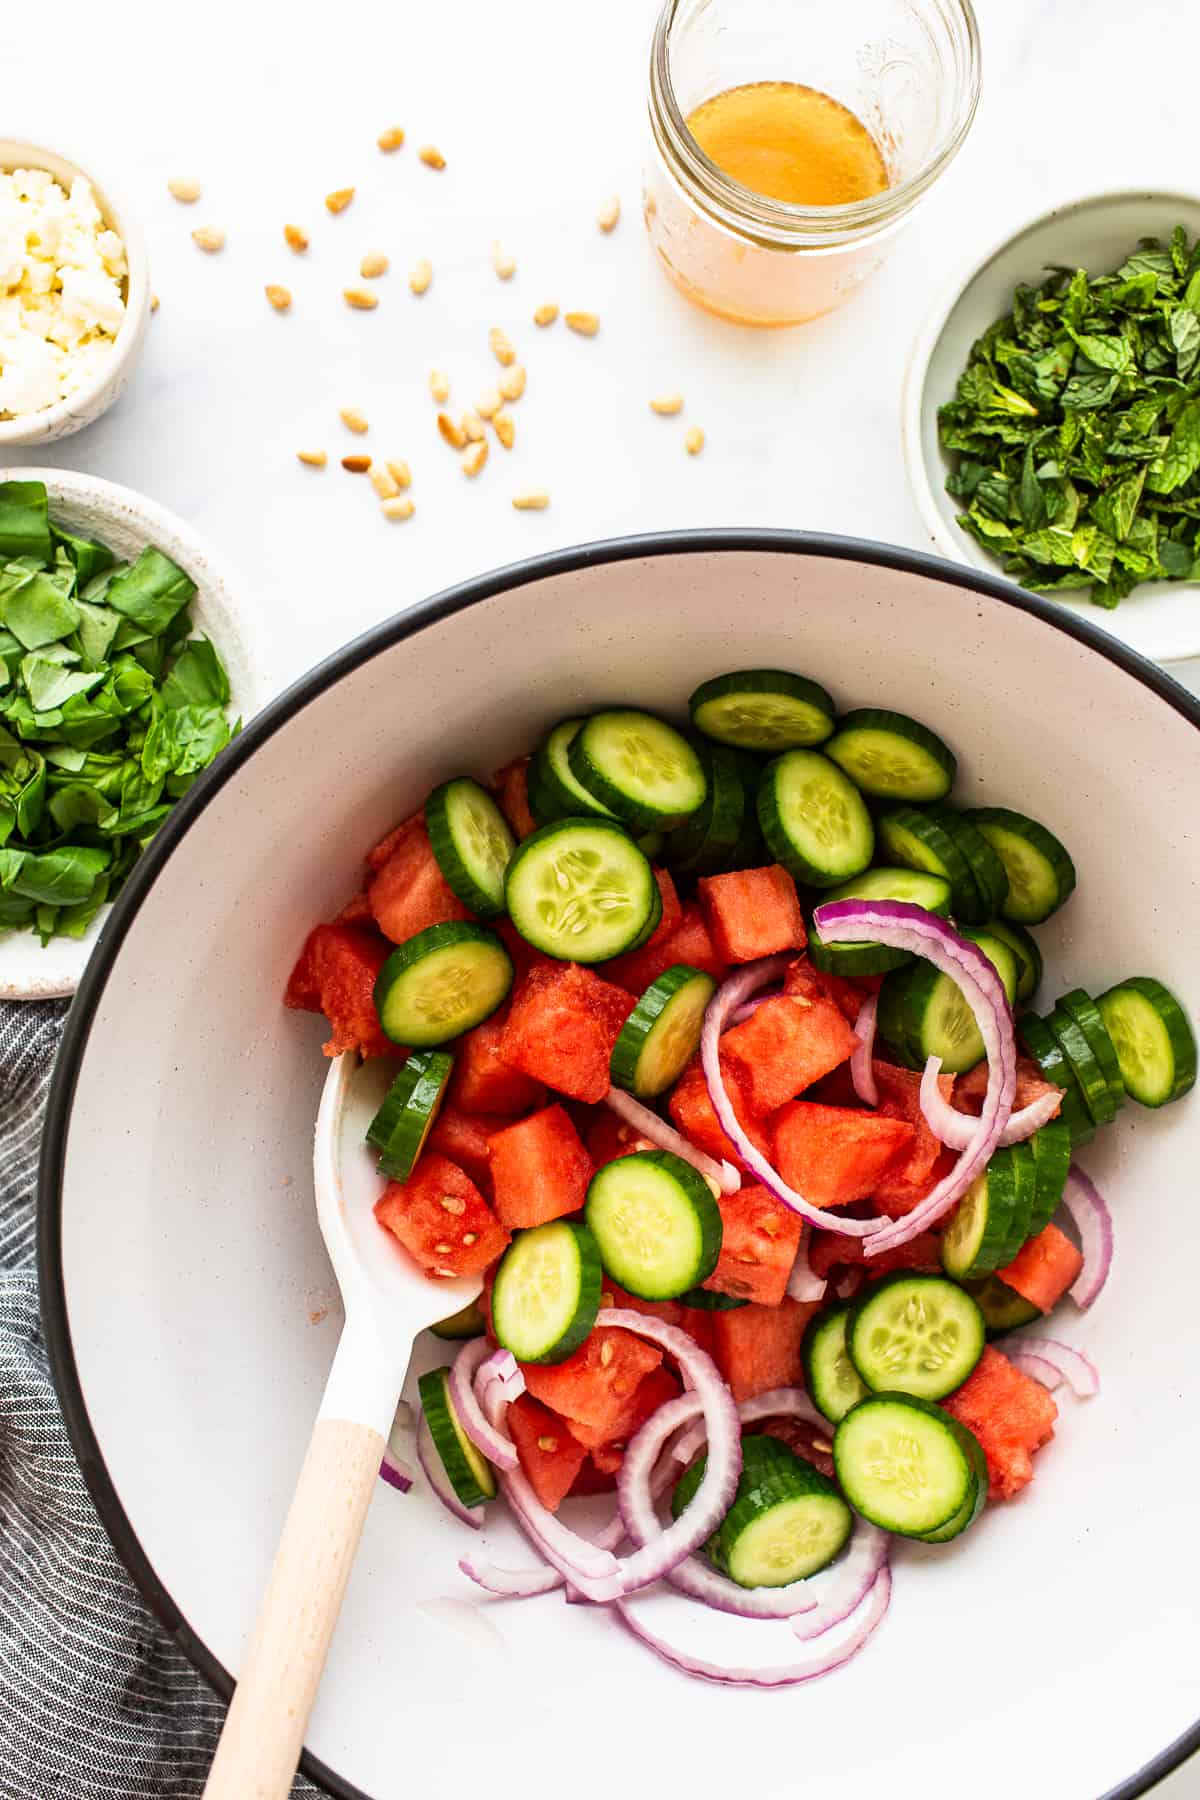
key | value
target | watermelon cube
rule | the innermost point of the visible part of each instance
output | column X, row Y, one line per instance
column 650, row 1393
column 562, row 1026
column 466, row 1138
column 408, row 892
column 597, row 1477
column 1044, row 1268
column 549, row 1456
column 484, row 1080
column 608, row 1138
column 752, row 913
column 357, row 911
column 688, row 942
column 828, row 1250
column 442, row 1219
column 669, row 1311
column 512, row 792
column 786, row 1045
column 847, row 994
column 1012, row 1416
column 694, row 1114
column 912, row 1177
column 761, row 1238
column 396, row 836
column 970, row 1088
column 336, row 975
column 593, row 1386
column 540, row 1170
column 833, row 1155
column 758, row 1347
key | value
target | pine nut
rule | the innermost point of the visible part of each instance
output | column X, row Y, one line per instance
column 296, row 238
column 391, row 139
column 505, row 430
column 693, row 443
column 279, row 297
column 402, row 508
column 373, row 263
column 360, row 300
column 501, row 347
column 454, row 434
column 352, row 419
column 154, row 303
column 209, row 237
column 512, row 382
column 431, row 157
column 471, row 426
column 421, row 276
column 504, row 264
column 532, row 500
column 439, row 385
column 356, row 465
column 587, row 324
column 475, row 458
column 609, row 213
column 183, row 188
column 339, row 200
column 489, row 404
column 667, row 405
column 316, row 459
column 383, row 481
column 546, row 314
column 400, row 473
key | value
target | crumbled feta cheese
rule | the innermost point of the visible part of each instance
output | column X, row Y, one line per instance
column 61, row 296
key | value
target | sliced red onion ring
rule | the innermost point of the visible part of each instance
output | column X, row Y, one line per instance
column 783, row 1403
column 649, row 1125
column 803, row 1285
column 904, row 927
column 1047, row 1373
column 518, row 1584
column 862, row 1063
column 1093, row 1222
column 751, row 1007
column 956, row 1129
column 468, row 1368
column 435, row 1474
column 396, row 1472
column 651, row 1617
column 1078, row 1371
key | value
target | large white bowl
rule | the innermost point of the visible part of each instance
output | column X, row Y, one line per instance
column 1159, row 619
column 127, row 522
column 188, row 1303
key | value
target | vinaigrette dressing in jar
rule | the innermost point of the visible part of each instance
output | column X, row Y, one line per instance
column 791, row 141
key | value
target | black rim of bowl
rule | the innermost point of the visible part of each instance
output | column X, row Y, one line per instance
column 277, row 714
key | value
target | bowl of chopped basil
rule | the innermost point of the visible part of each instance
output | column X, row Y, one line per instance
column 127, row 661
column 1052, row 416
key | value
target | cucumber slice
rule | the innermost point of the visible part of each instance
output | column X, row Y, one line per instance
column 655, row 1222
column 704, row 1300
column 1037, row 1039
column 986, row 870
column 470, row 1474
column 970, row 1511
column 662, row 1033
column 761, row 1454
column 1040, row 873
column 642, row 769
column 1024, row 947
column 915, row 1334
column 980, row 1225
column 892, row 757
column 1093, row 1083
column 1002, row 1307
column 402, row 1124
column 554, row 790
column 1078, row 1003
column 905, row 1465
column 786, row 1522
column 469, row 1322
column 705, row 843
column 442, row 982
column 581, row 890
column 813, row 819
column 547, row 1292
column 1153, row 1040
column 470, row 838
column 832, row 1380
column 762, row 709
column 1020, row 1165
column 918, row 888
column 923, row 1013
column 1052, row 1158
column 916, row 840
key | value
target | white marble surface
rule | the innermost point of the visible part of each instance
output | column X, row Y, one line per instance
column 538, row 107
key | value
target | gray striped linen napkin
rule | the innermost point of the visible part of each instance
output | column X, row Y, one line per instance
column 96, row 1703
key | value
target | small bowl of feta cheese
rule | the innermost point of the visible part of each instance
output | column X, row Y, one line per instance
column 74, row 295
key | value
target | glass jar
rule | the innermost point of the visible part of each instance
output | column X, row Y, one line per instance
column 909, row 70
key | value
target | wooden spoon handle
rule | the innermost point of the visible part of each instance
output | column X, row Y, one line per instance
column 268, row 1716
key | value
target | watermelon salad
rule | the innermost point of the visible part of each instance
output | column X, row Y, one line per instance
column 720, row 1064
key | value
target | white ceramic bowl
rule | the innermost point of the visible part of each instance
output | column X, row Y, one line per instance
column 96, row 396
column 127, row 522
column 1159, row 619
column 189, row 1308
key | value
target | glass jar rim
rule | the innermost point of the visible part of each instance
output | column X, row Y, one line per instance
column 781, row 222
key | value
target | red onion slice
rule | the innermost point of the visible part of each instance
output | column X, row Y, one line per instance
column 803, row 1285
column 1078, row 1371
column 862, row 1063
column 904, row 927
column 751, row 1006
column 435, row 1474
column 956, row 1129
column 1047, row 1373
column 701, row 1643
column 468, row 1368
column 395, row 1472
column 517, row 1584
column 723, row 1175
column 1093, row 1222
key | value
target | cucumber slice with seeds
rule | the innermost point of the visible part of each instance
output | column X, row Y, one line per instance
column 470, row 838
column 1052, row 1158
column 1023, row 945
column 892, row 757
column 470, row 1474
column 442, row 982
column 915, row 1334
column 904, row 1464
column 1002, row 1307
column 1153, row 1040
column 1040, row 872
column 980, row 1225
column 786, row 1522
column 1086, row 1014
column 763, row 709
column 916, row 840
column 581, row 890
column 655, row 1222
column 833, row 1382
column 554, row 790
column 970, row 1510
column 1093, row 1083
column 547, row 1293
column 1037, row 1039
column 814, row 819
column 917, row 888
column 402, row 1124
column 662, row 1033
column 923, row 1013
column 640, row 767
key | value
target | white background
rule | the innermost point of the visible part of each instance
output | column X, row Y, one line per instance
column 538, row 106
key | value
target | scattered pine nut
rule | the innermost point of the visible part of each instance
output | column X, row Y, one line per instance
column 339, row 200
column 501, row 347
column 431, row 157
column 546, row 313
column 609, row 213
column 587, row 324
column 504, row 428
column 360, row 299
column 693, row 443
column 392, row 138
column 209, row 237
column 512, row 382
column 383, row 481
column 454, row 434
column 279, row 297
column 532, row 500
column 315, row 459
column 475, row 457
column 373, row 263
column 439, row 385
column 504, row 264
column 352, row 419
column 185, row 189
column 400, row 473
column 421, row 276
column 296, row 238
column 357, row 465
column 402, row 508
column 154, row 303
column 471, row 426
column 667, row 405
column 489, row 404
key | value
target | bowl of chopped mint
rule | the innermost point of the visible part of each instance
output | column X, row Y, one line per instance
column 1052, row 416
column 126, row 664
